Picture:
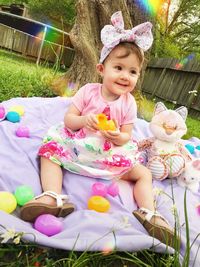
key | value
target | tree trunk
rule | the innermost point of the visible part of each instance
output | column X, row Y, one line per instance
column 92, row 15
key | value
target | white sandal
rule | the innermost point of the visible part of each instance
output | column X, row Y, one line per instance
column 163, row 233
column 30, row 211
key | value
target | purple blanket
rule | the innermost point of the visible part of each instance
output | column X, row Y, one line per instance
column 85, row 229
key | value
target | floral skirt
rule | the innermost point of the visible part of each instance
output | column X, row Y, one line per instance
column 88, row 153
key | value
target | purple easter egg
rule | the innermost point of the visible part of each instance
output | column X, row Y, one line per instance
column 99, row 189
column 48, row 224
column 113, row 189
column 23, row 131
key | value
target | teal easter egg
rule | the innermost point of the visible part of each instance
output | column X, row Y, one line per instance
column 13, row 116
column 23, row 194
column 190, row 148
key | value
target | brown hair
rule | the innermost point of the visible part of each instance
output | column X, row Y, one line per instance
column 130, row 48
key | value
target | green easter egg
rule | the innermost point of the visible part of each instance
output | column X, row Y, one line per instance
column 23, row 194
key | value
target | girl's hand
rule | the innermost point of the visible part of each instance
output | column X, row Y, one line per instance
column 111, row 136
column 91, row 122
column 118, row 137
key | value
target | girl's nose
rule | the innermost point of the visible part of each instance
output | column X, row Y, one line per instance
column 125, row 76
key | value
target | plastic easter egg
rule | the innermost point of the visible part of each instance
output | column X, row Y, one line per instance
column 198, row 147
column 98, row 203
column 18, row 109
column 23, row 194
column 13, row 116
column 198, row 209
column 48, row 224
column 99, row 189
column 113, row 189
column 8, row 202
column 190, row 148
column 2, row 113
column 22, row 131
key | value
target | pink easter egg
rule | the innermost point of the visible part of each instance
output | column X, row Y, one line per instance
column 113, row 189
column 2, row 113
column 99, row 189
column 198, row 209
column 23, row 131
column 48, row 224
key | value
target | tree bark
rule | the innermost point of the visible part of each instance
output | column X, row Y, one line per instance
column 92, row 15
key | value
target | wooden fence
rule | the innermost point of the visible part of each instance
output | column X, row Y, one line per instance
column 181, row 86
column 30, row 46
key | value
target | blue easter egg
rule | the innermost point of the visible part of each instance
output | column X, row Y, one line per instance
column 13, row 116
column 190, row 148
column 198, row 147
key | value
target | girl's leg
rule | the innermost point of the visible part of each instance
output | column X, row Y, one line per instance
column 154, row 223
column 51, row 179
column 142, row 191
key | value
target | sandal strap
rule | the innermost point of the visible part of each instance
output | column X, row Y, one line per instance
column 150, row 214
column 60, row 199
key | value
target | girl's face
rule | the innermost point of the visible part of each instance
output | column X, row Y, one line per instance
column 120, row 74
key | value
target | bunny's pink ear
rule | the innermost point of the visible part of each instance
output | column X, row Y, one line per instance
column 159, row 107
column 196, row 164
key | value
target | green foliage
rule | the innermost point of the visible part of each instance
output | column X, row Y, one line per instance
column 177, row 30
column 56, row 10
column 165, row 47
column 9, row 2
column 53, row 12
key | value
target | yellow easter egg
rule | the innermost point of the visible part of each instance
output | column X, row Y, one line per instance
column 19, row 109
column 8, row 202
column 98, row 203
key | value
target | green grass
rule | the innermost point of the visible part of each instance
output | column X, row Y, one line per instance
column 19, row 78
column 32, row 255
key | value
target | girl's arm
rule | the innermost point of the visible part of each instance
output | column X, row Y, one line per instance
column 121, row 136
column 75, row 121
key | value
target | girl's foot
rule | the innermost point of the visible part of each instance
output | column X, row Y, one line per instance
column 157, row 227
column 47, row 203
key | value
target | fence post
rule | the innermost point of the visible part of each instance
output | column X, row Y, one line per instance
column 193, row 95
column 41, row 45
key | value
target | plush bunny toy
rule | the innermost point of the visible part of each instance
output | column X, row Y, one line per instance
column 190, row 177
column 166, row 155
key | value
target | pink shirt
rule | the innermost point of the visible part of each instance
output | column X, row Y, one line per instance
column 88, row 99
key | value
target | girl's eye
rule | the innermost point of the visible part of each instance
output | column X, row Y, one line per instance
column 118, row 67
column 133, row 72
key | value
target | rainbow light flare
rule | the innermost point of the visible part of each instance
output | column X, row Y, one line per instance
column 70, row 90
column 152, row 7
column 184, row 61
column 39, row 36
column 109, row 248
column 50, row 36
